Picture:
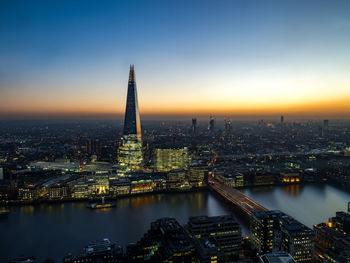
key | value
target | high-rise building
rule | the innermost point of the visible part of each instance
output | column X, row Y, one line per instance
column 222, row 231
column 262, row 231
column 282, row 119
column 211, row 124
column 325, row 128
column 198, row 175
column 227, row 125
column 275, row 231
column 325, row 124
column 130, row 151
column 93, row 147
column 194, row 126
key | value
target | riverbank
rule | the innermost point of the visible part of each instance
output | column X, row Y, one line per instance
column 9, row 203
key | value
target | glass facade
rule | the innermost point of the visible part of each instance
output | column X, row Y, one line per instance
column 130, row 152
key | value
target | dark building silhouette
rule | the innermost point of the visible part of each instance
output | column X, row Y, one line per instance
column 222, row 232
column 325, row 127
column 227, row 125
column 132, row 123
column 165, row 241
column 93, row 147
column 211, row 124
column 194, row 127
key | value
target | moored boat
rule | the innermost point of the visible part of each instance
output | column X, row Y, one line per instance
column 101, row 204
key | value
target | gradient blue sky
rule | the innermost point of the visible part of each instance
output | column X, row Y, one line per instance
column 195, row 57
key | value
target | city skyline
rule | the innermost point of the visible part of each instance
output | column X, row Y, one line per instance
column 232, row 58
column 232, row 143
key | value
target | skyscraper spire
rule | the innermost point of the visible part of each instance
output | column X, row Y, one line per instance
column 132, row 123
column 130, row 151
column 132, row 74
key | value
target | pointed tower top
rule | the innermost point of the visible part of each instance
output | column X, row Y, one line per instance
column 132, row 123
column 132, row 74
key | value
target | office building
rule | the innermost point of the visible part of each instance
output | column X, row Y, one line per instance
column 341, row 222
column 58, row 191
column 262, row 226
column 100, row 251
column 227, row 125
column 273, row 231
column 211, row 124
column 130, row 152
column 198, row 175
column 165, row 241
column 223, row 232
column 325, row 128
column 296, row 239
column 194, row 129
column 93, row 147
column 176, row 180
column 170, row 159
column 330, row 243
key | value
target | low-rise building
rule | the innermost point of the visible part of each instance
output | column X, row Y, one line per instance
column 58, row 191
column 119, row 187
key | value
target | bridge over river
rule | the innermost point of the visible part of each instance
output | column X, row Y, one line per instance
column 236, row 197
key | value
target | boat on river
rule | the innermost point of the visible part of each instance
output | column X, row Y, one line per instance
column 100, row 205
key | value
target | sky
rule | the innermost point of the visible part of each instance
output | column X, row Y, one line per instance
column 192, row 58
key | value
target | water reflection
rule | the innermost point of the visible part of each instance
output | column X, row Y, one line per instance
column 72, row 225
column 28, row 209
column 310, row 204
column 292, row 189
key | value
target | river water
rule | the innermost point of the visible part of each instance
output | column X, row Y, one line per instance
column 52, row 230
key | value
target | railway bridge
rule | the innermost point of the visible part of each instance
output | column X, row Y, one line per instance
column 236, row 197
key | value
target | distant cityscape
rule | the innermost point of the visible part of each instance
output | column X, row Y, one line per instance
column 55, row 163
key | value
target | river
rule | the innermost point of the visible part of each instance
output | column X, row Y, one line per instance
column 52, row 230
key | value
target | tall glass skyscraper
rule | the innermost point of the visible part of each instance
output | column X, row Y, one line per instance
column 130, row 152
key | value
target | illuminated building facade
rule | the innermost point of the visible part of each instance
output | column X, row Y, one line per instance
column 58, row 191
column 273, row 231
column 222, row 231
column 296, row 239
column 231, row 179
column 141, row 185
column 171, row 159
column 130, row 151
column 198, row 175
column 330, row 243
column 262, row 231
column 290, row 178
column 177, row 180
column 119, row 187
